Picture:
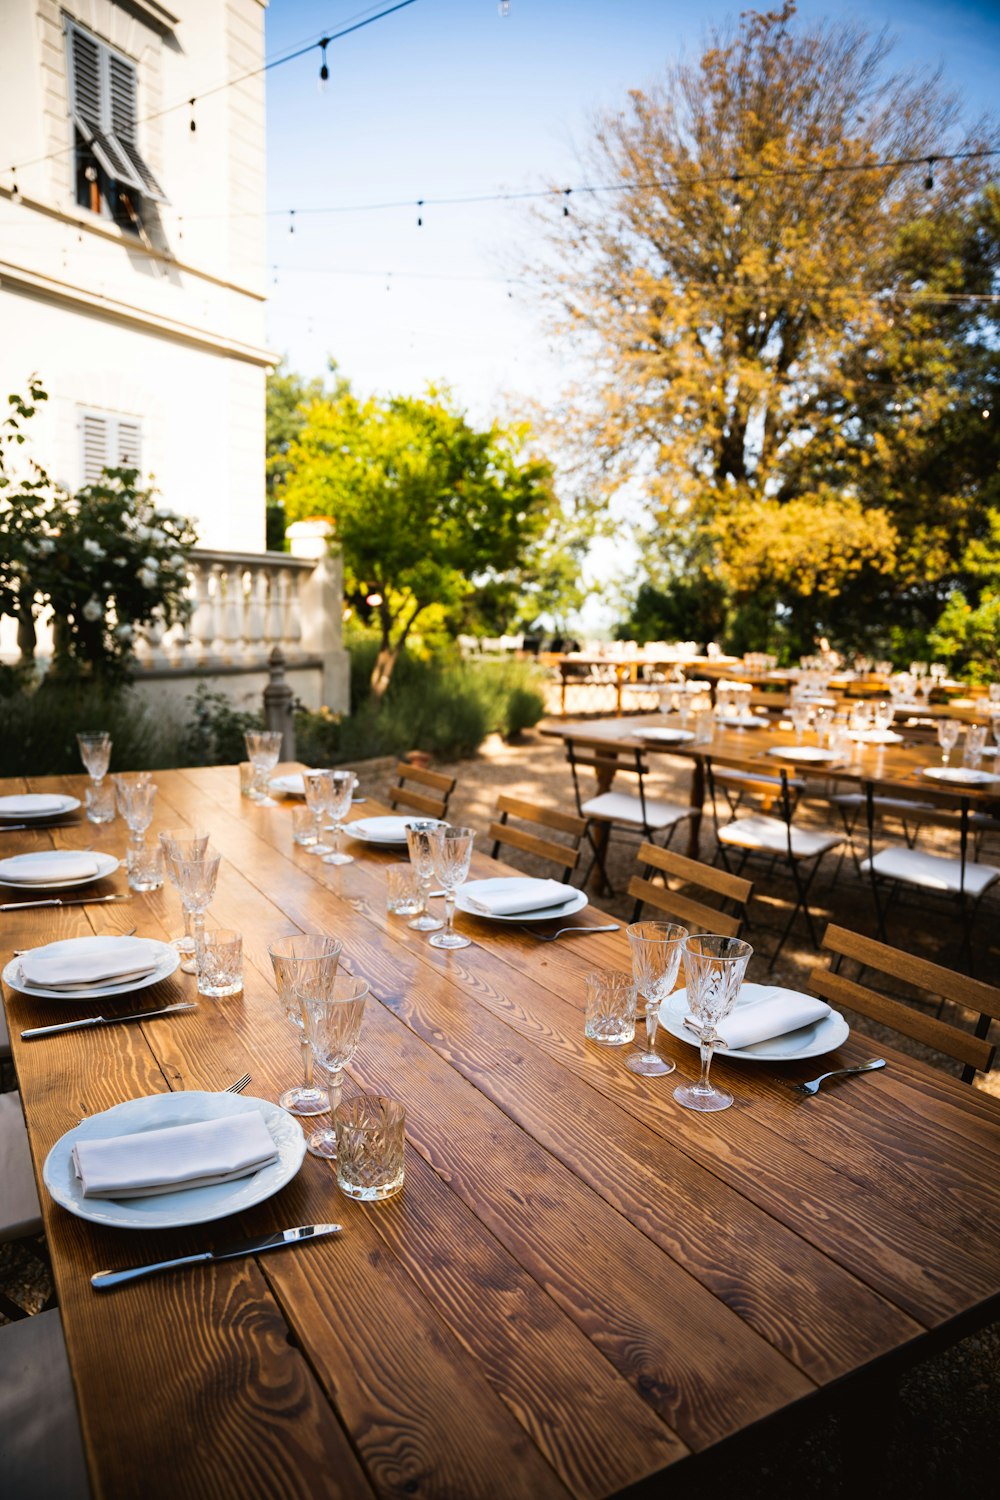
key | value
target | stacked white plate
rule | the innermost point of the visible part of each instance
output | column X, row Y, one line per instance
column 90, row 967
column 28, row 807
column 55, row 869
column 658, row 735
column 811, row 1040
column 384, row 830
column 806, row 754
column 506, row 891
column 960, row 775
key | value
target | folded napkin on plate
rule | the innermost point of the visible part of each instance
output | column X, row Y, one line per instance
column 386, row 830
column 54, row 864
column 181, row 1156
column 79, row 962
column 776, row 1012
column 31, row 802
column 507, row 897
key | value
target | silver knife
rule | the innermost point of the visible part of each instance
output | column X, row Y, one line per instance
column 38, row 827
column 142, row 1015
column 104, row 1280
column 57, row 901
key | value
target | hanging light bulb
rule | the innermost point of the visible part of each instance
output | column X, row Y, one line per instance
column 420, row 216
column 194, row 126
column 929, row 179
column 503, row 8
column 15, row 191
column 324, row 71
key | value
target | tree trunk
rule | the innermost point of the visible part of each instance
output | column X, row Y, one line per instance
column 382, row 671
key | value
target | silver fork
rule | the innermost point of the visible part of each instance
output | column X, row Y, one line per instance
column 238, row 1086
column 812, row 1087
column 550, row 937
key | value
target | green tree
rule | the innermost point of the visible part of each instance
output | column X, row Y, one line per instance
column 781, row 359
column 427, row 509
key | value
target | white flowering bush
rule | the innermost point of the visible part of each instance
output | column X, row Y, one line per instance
column 107, row 560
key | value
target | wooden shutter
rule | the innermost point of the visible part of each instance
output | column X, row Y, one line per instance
column 104, row 93
column 85, row 79
column 129, row 445
column 94, row 446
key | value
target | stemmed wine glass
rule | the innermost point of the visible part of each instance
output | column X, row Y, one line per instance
column 183, row 844
column 136, row 795
column 317, row 790
column 263, row 750
column 333, row 1026
column 195, row 878
column 800, row 714
column 656, row 956
column 714, row 967
column 418, row 839
column 452, row 854
column 305, row 968
column 947, row 733
column 340, row 790
column 95, row 752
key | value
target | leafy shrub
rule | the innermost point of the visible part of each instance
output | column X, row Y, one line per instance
column 213, row 735
column 40, row 730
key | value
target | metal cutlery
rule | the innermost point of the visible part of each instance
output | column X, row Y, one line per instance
column 812, row 1087
column 39, row 827
column 550, row 937
column 238, row 1086
column 58, row 901
column 83, row 1025
column 104, row 1280
column 20, row 952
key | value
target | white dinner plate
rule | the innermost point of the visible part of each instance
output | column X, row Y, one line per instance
column 733, row 721
column 472, row 888
column 191, row 1205
column 27, row 807
column 385, row 830
column 288, row 786
column 875, row 736
column 809, row 1041
column 167, row 961
column 663, row 736
column 106, row 865
column 807, row 754
column 960, row 775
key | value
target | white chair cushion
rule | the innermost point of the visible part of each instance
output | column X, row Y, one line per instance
column 41, row 1452
column 20, row 1213
column 771, row 835
column 625, row 807
column 722, row 774
column 933, row 872
column 882, row 804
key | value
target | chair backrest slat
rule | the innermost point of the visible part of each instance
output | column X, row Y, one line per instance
column 731, row 887
column 974, row 994
column 694, row 915
column 530, row 843
column 688, row 908
column 433, row 802
column 565, row 855
column 940, row 1035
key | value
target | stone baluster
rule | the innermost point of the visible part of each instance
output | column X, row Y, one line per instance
column 256, row 649
column 154, row 633
column 292, row 614
column 201, row 630
column 216, row 586
column 231, row 581
column 274, row 620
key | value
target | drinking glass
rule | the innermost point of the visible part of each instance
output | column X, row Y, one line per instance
column 656, row 957
column 883, row 713
column 183, row 844
column 799, row 713
column 136, row 795
column 263, row 748
column 418, row 838
column 317, row 790
column 947, row 733
column 220, row 963
column 370, row 1142
column 333, row 1026
column 95, row 752
column 195, row 880
column 975, row 742
column 305, row 967
column 338, row 804
column 144, row 863
column 714, row 967
column 994, row 692
column 452, row 849
column 100, row 798
column 303, row 826
column 609, row 1008
column 402, row 891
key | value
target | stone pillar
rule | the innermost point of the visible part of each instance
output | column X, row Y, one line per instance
column 321, row 600
column 278, row 699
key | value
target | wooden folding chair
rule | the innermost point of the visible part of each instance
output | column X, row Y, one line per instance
column 529, row 840
column 971, row 1049
column 683, row 906
column 767, row 835
column 432, row 802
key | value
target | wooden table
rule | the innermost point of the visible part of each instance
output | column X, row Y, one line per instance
column 581, row 1286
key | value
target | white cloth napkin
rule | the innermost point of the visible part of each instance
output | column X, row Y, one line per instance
column 776, row 1012
column 79, row 962
column 54, row 864
column 181, row 1156
column 31, row 803
column 505, row 897
column 385, row 830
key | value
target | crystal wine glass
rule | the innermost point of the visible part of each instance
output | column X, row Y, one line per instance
column 195, row 879
column 452, row 849
column 135, row 796
column 799, row 713
column 947, row 733
column 656, row 956
column 418, row 839
column 263, row 750
column 183, row 844
column 95, row 752
column 317, row 790
column 883, row 713
column 714, row 967
column 994, row 692
column 333, row 1026
column 340, row 790
column 305, row 968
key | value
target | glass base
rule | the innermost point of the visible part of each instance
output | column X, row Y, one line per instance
column 266, row 802
column 320, row 848
column 220, row 991
column 705, row 1101
column 183, row 944
column 338, row 859
column 648, row 1064
column 426, row 923
column 450, row 940
column 371, row 1194
column 322, row 1143
column 189, row 965
column 303, row 1101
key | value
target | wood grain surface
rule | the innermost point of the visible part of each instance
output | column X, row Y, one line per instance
column 581, row 1284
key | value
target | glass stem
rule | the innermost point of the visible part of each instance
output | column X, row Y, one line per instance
column 336, row 838
column 335, row 1087
column 449, row 909
column 707, row 1046
column 651, row 1020
column 198, row 928
column 425, row 894
column 307, row 1064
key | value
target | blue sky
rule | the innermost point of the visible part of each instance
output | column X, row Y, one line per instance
column 446, row 98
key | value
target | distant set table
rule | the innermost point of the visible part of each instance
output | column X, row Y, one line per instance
column 580, row 1287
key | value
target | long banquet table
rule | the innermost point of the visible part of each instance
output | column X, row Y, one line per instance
column 581, row 1286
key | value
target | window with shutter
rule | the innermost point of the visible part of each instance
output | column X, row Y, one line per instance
column 103, row 95
column 108, row 441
